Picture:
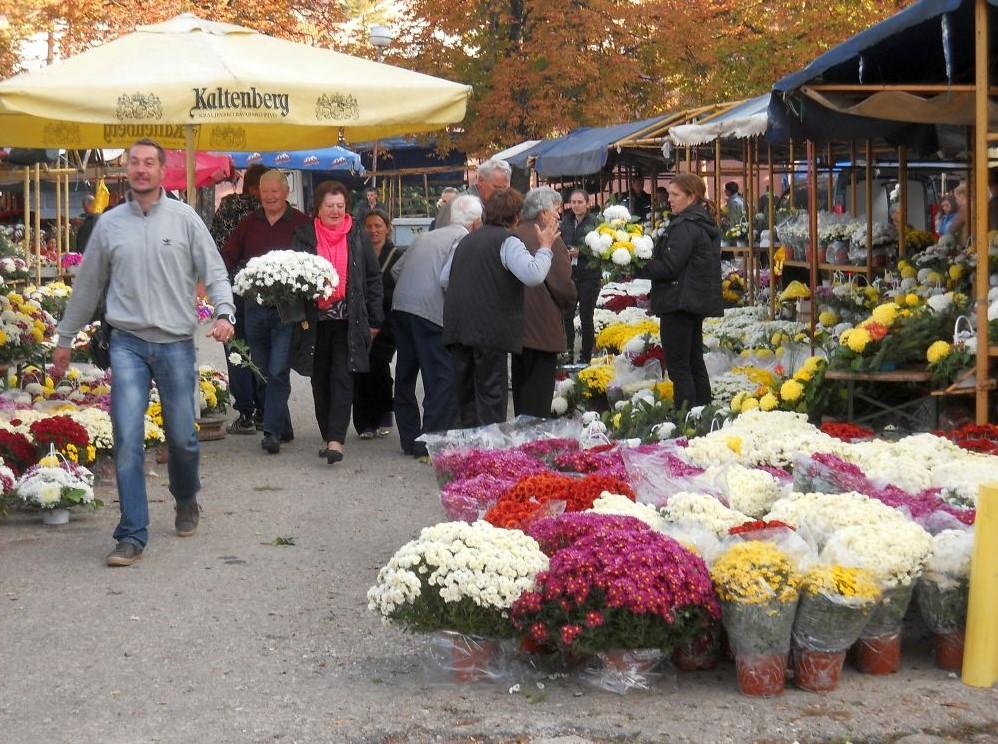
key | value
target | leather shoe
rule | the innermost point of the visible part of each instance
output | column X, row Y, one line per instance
column 125, row 553
column 333, row 456
column 271, row 444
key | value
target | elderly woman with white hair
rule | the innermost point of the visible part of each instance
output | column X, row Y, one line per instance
column 544, row 308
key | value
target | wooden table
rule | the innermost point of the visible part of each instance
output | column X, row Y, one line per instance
column 903, row 411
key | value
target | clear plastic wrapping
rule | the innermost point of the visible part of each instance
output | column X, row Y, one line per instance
column 817, row 671
column 701, row 653
column 943, row 606
column 759, row 629
column 829, row 623
column 878, row 655
column 458, row 658
column 656, row 472
column 623, row 671
column 761, row 675
column 887, row 616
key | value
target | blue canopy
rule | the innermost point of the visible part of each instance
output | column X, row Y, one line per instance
column 930, row 42
column 325, row 159
column 581, row 152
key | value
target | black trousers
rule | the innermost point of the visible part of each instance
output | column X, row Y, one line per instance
column 421, row 353
column 588, row 286
column 533, row 382
column 682, row 341
column 332, row 383
column 373, row 392
column 481, row 384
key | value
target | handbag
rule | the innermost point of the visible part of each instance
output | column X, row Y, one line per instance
column 100, row 341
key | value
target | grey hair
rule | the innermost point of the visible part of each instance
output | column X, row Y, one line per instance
column 492, row 165
column 276, row 175
column 541, row 199
column 88, row 199
column 449, row 190
column 466, row 210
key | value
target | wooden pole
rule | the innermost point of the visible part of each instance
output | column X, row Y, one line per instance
column 812, row 229
column 192, row 192
column 58, row 218
column 831, row 177
column 68, row 214
column 717, row 172
column 793, row 177
column 981, row 203
column 771, row 208
column 853, row 206
column 903, row 212
column 869, row 210
column 749, row 214
column 38, row 224
column 25, row 241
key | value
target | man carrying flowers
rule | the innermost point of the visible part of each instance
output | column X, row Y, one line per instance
column 148, row 255
column 269, row 228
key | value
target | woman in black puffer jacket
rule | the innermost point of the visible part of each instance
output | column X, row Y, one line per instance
column 685, row 271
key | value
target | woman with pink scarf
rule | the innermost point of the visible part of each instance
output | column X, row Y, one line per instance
column 346, row 323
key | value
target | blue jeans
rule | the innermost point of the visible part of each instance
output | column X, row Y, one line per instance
column 421, row 351
column 134, row 364
column 242, row 383
column 270, row 346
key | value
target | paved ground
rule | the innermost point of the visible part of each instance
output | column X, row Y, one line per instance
column 226, row 637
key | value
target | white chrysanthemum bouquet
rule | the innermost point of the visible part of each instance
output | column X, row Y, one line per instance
column 618, row 245
column 459, row 577
column 56, row 483
column 283, row 277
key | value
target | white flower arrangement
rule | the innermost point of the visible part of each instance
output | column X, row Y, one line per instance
column 616, row 212
column 52, row 484
column 614, row 503
column 283, row 276
column 894, row 552
column 749, row 491
column 97, row 422
column 702, row 510
column 789, row 508
column 488, row 565
column 820, row 518
column 961, row 479
column 949, row 563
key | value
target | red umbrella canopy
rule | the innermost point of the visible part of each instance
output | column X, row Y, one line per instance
column 209, row 169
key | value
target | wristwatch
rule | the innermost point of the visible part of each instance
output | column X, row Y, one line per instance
column 227, row 316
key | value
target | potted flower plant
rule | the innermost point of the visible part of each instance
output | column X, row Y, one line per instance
column 895, row 552
column 943, row 592
column 459, row 581
column 617, row 589
column 835, row 605
column 55, row 485
column 757, row 584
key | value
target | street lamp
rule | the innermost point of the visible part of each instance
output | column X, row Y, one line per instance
column 380, row 38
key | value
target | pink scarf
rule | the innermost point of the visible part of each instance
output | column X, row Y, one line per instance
column 331, row 244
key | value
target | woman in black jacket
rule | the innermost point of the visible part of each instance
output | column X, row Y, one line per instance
column 685, row 271
column 345, row 324
column 373, row 391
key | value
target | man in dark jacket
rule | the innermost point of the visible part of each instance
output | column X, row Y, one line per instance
column 685, row 271
column 544, row 308
column 87, row 226
column 576, row 223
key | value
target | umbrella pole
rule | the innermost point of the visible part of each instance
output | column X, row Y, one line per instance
column 192, row 194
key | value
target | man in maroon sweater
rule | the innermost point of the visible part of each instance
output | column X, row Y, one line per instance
column 269, row 228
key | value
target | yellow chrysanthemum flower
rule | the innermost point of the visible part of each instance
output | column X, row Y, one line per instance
column 841, row 581
column 937, row 351
column 885, row 314
column 791, row 391
column 768, row 402
column 827, row 318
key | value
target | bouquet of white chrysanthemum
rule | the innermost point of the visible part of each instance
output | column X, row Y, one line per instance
column 459, row 577
column 97, row 422
column 619, row 246
column 284, row 277
column 56, row 483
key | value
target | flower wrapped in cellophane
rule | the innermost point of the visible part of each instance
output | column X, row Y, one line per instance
column 618, row 245
column 56, row 483
column 757, row 584
column 835, row 605
column 894, row 552
column 943, row 592
column 616, row 588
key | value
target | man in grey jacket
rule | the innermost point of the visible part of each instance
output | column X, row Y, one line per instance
column 417, row 324
column 148, row 255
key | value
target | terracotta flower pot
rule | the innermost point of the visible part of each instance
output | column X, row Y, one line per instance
column 761, row 676
column 700, row 654
column 817, row 671
column 630, row 662
column 949, row 651
column 472, row 657
column 878, row 655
